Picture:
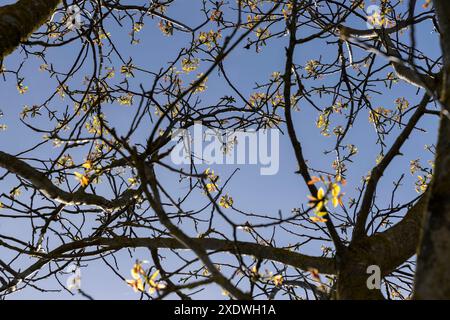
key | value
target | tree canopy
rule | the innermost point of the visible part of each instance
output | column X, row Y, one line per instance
column 95, row 94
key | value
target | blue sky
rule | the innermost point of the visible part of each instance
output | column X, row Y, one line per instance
column 251, row 192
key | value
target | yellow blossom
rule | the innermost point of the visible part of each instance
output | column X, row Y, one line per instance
column 189, row 64
column 277, row 280
column 136, row 284
column 319, row 201
column 335, row 196
column 88, row 165
column 83, row 179
column 22, row 89
column 226, row 201
column 137, row 271
column 153, row 285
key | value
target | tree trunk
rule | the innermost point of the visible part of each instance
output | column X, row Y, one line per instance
column 352, row 274
column 19, row 20
column 433, row 266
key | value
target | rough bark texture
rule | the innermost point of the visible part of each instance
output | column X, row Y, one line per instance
column 433, row 268
column 352, row 278
column 19, row 20
column 399, row 243
column 387, row 249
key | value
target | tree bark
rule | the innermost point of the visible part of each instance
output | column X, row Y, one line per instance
column 352, row 277
column 19, row 20
column 433, row 266
column 387, row 250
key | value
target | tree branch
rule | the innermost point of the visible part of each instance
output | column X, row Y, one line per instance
column 46, row 186
column 378, row 171
column 397, row 244
column 285, row 256
column 19, row 20
column 403, row 72
column 303, row 167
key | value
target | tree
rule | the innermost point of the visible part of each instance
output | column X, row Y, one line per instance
column 433, row 275
column 19, row 20
column 88, row 189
